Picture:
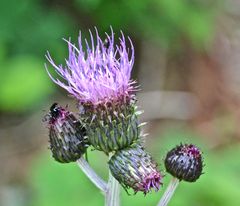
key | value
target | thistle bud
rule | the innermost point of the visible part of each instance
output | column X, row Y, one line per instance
column 134, row 168
column 67, row 137
column 184, row 162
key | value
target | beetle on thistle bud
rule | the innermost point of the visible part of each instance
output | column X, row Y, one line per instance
column 67, row 136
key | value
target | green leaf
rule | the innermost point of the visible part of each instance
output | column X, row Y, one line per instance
column 24, row 84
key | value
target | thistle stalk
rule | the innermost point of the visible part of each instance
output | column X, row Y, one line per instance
column 113, row 190
column 91, row 174
column 169, row 192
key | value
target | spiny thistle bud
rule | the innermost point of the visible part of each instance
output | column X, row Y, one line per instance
column 67, row 137
column 100, row 80
column 134, row 168
column 184, row 162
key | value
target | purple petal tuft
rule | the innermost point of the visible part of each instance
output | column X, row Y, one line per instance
column 100, row 73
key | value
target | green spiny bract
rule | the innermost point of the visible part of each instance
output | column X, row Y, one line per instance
column 111, row 127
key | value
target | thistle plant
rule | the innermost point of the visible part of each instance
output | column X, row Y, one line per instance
column 98, row 76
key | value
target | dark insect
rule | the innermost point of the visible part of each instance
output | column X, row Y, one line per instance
column 55, row 110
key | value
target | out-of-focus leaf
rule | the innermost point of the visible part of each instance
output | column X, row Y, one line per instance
column 31, row 27
column 63, row 184
column 165, row 21
column 24, row 84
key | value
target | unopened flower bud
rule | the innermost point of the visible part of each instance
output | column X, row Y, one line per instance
column 134, row 168
column 67, row 137
column 184, row 162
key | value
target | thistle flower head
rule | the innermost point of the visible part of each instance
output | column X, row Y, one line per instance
column 101, row 73
column 67, row 136
column 134, row 168
column 184, row 162
column 99, row 78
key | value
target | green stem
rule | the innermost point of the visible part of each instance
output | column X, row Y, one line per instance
column 169, row 192
column 113, row 192
column 91, row 174
column 112, row 195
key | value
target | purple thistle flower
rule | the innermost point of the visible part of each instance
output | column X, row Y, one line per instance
column 134, row 168
column 99, row 78
column 99, row 74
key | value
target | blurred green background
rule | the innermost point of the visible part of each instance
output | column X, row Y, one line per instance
column 187, row 57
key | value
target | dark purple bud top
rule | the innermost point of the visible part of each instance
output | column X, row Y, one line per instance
column 134, row 168
column 184, row 162
column 67, row 137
